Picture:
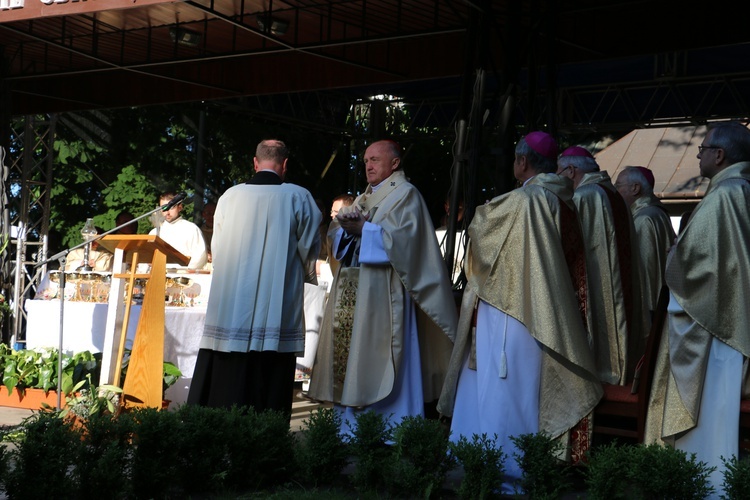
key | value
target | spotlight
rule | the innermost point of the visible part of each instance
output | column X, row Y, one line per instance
column 185, row 37
column 270, row 24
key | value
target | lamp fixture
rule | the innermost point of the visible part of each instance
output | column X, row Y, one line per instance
column 273, row 25
column 185, row 37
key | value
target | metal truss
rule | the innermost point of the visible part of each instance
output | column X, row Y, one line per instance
column 666, row 91
column 28, row 188
column 322, row 111
column 338, row 113
column 657, row 104
column 669, row 98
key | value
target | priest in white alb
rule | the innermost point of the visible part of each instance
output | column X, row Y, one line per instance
column 265, row 238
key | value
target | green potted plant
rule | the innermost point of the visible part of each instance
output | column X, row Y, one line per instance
column 88, row 400
column 30, row 375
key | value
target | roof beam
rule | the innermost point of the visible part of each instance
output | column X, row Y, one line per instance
column 21, row 10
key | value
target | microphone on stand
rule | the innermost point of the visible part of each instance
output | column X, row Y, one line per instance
column 174, row 201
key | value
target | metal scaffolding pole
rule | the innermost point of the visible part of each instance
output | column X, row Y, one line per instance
column 28, row 189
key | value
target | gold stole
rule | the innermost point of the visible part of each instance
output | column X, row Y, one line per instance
column 344, row 305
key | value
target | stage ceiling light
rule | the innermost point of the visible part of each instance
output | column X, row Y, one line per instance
column 185, row 37
column 277, row 27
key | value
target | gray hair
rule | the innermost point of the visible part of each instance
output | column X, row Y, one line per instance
column 582, row 163
column 273, row 150
column 540, row 164
column 734, row 138
column 633, row 175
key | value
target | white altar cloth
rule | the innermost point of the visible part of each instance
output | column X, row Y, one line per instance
column 85, row 322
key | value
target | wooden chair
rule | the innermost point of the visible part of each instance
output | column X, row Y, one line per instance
column 621, row 413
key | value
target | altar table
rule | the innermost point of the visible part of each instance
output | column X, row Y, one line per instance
column 84, row 325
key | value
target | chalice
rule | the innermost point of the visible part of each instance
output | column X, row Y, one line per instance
column 75, row 278
column 182, row 282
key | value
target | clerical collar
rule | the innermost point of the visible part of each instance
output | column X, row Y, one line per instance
column 527, row 180
column 269, row 170
column 375, row 188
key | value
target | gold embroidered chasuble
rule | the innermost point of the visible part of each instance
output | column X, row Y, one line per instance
column 708, row 273
column 377, row 321
column 655, row 235
column 516, row 263
column 617, row 323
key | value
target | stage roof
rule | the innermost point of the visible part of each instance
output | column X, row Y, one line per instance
column 629, row 63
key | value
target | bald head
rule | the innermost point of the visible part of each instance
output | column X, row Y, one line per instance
column 271, row 154
column 382, row 158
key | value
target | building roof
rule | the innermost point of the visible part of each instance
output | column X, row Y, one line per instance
column 670, row 152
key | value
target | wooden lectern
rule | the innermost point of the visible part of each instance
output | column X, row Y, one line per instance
column 143, row 384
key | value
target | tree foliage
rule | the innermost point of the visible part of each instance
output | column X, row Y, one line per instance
column 118, row 160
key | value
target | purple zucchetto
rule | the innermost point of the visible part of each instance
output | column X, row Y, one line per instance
column 542, row 143
column 576, row 151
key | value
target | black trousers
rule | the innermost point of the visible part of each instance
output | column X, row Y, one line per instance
column 263, row 380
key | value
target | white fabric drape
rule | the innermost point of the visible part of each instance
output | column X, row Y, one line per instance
column 487, row 403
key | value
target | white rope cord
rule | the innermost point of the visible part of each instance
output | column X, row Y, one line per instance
column 503, row 359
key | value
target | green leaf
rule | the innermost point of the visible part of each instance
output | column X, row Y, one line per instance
column 80, row 385
column 63, row 152
column 10, row 377
column 110, row 388
column 46, row 375
column 171, row 369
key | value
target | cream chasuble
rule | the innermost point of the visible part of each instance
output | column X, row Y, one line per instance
column 618, row 321
column 655, row 235
column 517, row 264
column 365, row 373
column 708, row 274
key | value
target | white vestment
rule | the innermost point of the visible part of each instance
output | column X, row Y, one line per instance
column 406, row 398
column 186, row 238
column 264, row 238
column 716, row 434
column 503, row 406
